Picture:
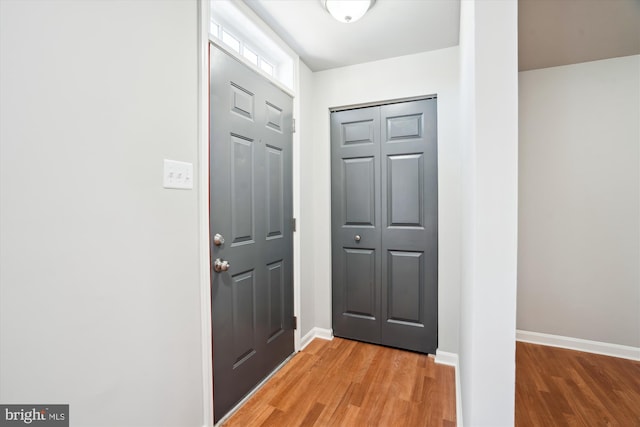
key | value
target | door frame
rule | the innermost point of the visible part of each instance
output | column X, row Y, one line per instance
column 202, row 178
column 381, row 103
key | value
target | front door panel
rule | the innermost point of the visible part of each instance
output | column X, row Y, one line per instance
column 251, row 208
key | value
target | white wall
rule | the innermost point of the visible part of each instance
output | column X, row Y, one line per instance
column 99, row 274
column 427, row 73
column 489, row 140
column 579, row 247
column 305, row 125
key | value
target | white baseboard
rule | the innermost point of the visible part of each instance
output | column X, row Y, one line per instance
column 446, row 358
column 607, row 349
column 451, row 359
column 325, row 334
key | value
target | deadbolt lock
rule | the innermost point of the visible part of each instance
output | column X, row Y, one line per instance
column 218, row 240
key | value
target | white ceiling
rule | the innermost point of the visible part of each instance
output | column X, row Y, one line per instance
column 390, row 28
column 551, row 32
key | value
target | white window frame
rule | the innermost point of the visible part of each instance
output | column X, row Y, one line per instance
column 276, row 60
column 262, row 63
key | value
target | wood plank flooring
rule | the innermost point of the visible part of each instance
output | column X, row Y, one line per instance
column 558, row 387
column 349, row 383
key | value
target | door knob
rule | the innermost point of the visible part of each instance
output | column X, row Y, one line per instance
column 218, row 240
column 357, row 238
column 220, row 265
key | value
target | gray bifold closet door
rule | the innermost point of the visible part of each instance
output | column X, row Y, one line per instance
column 384, row 213
column 251, row 208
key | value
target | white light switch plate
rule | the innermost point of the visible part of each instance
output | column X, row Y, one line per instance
column 177, row 174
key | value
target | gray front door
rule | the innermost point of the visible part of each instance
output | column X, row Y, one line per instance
column 384, row 224
column 251, row 210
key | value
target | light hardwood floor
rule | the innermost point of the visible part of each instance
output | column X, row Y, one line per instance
column 349, row 383
column 558, row 387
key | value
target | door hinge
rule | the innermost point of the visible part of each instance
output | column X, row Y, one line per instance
column 293, row 126
column 295, row 322
column 294, row 226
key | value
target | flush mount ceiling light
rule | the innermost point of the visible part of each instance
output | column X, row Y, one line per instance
column 348, row 11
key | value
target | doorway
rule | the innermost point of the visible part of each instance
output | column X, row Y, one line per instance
column 384, row 213
column 251, row 242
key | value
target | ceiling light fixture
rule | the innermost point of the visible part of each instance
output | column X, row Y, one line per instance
column 348, row 11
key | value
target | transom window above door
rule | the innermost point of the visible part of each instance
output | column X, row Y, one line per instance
column 231, row 27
